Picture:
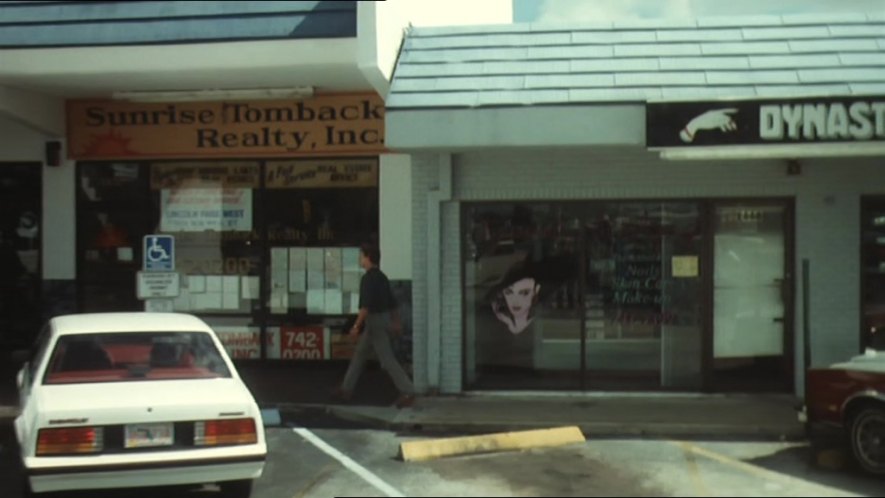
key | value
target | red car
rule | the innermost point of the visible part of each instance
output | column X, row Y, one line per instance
column 850, row 397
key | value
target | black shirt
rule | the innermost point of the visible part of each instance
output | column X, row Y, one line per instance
column 375, row 293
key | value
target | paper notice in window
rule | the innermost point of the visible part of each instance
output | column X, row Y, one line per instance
column 685, row 266
column 279, row 270
column 351, row 259
column 183, row 302
column 297, row 269
column 279, row 258
column 297, row 258
column 196, row 284
column 279, row 303
column 316, row 302
column 231, row 301
column 332, row 270
column 297, row 281
column 213, row 284
column 231, row 284
column 207, row 301
column 334, row 302
column 316, row 280
column 251, row 287
column 125, row 254
column 351, row 281
column 315, row 259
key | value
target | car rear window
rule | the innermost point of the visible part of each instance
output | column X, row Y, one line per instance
column 119, row 357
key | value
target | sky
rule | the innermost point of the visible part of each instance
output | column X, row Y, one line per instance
column 613, row 10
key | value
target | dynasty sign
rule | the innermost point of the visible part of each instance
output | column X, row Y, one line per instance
column 758, row 122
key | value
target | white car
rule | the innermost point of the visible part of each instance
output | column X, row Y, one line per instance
column 130, row 400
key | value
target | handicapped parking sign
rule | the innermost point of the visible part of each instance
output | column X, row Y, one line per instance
column 159, row 253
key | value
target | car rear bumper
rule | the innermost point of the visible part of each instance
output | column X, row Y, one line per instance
column 141, row 475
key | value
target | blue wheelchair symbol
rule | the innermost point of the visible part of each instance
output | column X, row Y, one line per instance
column 159, row 253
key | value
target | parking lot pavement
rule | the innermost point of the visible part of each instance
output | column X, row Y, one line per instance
column 331, row 459
column 611, row 468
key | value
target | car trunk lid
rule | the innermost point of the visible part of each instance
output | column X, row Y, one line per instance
column 146, row 401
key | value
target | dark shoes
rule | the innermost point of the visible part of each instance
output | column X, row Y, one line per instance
column 404, row 401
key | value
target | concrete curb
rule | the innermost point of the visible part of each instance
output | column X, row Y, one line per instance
column 410, row 420
column 430, row 449
column 377, row 417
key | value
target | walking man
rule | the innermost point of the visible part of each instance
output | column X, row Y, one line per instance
column 378, row 312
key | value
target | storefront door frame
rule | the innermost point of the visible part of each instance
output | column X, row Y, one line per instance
column 787, row 371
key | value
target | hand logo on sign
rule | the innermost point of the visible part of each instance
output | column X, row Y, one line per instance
column 710, row 120
column 156, row 252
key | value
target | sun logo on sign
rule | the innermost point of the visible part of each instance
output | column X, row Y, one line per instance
column 111, row 144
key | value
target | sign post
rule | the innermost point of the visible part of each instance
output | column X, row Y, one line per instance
column 158, row 283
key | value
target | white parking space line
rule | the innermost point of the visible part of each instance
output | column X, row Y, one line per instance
column 348, row 463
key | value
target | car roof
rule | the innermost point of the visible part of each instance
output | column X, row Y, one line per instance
column 127, row 322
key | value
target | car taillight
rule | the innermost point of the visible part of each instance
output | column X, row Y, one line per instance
column 221, row 432
column 70, row 440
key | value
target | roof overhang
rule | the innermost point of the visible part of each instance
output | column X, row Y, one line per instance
column 98, row 72
column 530, row 126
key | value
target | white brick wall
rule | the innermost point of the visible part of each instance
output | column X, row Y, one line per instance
column 827, row 199
column 424, row 177
column 452, row 326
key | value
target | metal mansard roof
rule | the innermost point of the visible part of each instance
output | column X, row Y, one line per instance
column 639, row 61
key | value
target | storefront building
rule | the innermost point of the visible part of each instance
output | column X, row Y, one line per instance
column 220, row 159
column 260, row 245
column 643, row 206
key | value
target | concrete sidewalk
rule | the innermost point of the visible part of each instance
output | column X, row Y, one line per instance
column 296, row 388
column 767, row 417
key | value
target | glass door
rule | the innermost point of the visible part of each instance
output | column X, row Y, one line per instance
column 751, row 347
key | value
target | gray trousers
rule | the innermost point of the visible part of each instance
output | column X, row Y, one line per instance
column 376, row 334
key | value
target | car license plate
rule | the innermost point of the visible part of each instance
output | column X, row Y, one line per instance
column 149, row 435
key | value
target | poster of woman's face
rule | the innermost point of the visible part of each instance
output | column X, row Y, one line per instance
column 518, row 295
column 514, row 304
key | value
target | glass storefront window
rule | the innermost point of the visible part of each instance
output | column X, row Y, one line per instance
column 266, row 251
column 521, row 296
column 318, row 213
column 20, row 243
column 212, row 210
column 642, row 295
column 112, row 218
column 596, row 294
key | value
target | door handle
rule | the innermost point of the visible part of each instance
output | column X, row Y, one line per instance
column 778, row 319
